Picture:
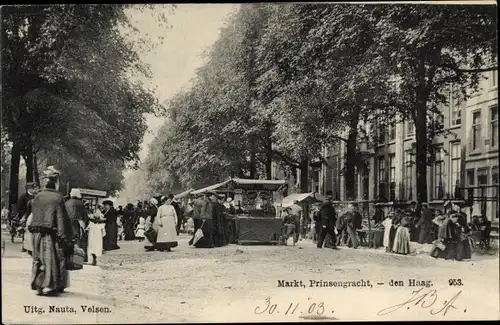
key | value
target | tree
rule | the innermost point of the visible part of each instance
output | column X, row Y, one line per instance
column 429, row 47
column 64, row 64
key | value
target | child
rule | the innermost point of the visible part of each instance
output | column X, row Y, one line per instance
column 139, row 233
column 96, row 233
column 120, row 227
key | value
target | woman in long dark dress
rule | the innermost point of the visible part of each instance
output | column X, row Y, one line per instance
column 128, row 221
column 52, row 237
column 425, row 227
column 111, row 237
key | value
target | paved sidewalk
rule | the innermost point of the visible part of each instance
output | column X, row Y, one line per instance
column 19, row 301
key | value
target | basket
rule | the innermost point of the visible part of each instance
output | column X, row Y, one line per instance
column 75, row 260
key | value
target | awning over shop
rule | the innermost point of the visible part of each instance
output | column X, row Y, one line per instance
column 183, row 194
column 302, row 197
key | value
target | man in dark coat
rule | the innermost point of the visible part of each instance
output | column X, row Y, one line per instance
column 327, row 218
column 208, row 211
column 79, row 218
column 22, row 209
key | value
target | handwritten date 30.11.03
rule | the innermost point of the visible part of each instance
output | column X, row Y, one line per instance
column 293, row 308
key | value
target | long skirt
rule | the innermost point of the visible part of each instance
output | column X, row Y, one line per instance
column 426, row 234
column 464, row 251
column 167, row 235
column 207, row 241
column 449, row 253
column 49, row 265
column 392, row 235
column 128, row 230
column 111, row 238
column 402, row 241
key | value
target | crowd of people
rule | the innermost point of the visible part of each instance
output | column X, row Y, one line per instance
column 448, row 231
column 54, row 225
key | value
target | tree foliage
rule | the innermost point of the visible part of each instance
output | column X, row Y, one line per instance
column 69, row 92
column 283, row 81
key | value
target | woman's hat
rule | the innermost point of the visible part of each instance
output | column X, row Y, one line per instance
column 51, row 172
column 107, row 202
column 447, row 203
column 153, row 201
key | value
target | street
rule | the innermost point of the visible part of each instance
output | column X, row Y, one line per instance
column 232, row 284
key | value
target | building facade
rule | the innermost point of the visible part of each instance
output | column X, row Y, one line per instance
column 464, row 156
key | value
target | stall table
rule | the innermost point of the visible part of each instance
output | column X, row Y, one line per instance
column 250, row 230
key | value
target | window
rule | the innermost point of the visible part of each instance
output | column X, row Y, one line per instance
column 410, row 128
column 381, row 177
column 392, row 132
column 482, row 176
column 392, row 177
column 438, row 175
column 455, row 106
column 455, row 155
column 494, row 78
column 366, row 184
column 494, row 126
column 470, row 178
column 381, row 134
column 476, row 130
column 408, row 178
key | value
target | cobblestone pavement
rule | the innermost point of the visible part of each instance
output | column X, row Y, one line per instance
column 232, row 284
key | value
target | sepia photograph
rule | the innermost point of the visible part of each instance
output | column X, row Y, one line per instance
column 249, row 162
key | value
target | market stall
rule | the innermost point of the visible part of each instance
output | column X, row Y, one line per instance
column 93, row 197
column 255, row 218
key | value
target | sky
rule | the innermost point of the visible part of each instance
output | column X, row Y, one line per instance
column 194, row 28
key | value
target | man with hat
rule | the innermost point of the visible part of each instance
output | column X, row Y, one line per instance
column 111, row 237
column 327, row 218
column 207, row 224
column 79, row 218
column 22, row 209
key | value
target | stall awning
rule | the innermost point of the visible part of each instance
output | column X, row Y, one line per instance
column 210, row 188
column 89, row 192
column 302, row 197
column 183, row 194
column 241, row 183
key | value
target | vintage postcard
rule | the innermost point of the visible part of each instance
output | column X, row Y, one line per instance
column 256, row 162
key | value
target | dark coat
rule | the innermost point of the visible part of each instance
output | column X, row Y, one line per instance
column 49, row 214
column 22, row 205
column 327, row 215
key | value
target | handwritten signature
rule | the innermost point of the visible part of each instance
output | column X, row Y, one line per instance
column 424, row 300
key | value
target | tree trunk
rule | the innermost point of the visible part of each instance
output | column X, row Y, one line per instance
column 14, row 173
column 269, row 156
column 36, row 175
column 421, row 149
column 350, row 167
column 253, row 159
column 28, row 159
column 304, row 175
